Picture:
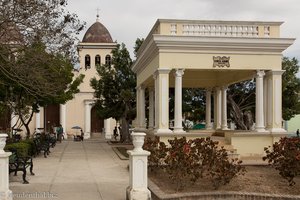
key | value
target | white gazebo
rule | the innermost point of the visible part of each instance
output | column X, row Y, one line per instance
column 212, row 55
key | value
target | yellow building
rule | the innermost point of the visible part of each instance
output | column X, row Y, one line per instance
column 212, row 55
column 95, row 49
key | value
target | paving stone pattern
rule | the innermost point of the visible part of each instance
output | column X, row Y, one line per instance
column 87, row 170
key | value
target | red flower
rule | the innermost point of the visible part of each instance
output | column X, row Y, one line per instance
column 187, row 148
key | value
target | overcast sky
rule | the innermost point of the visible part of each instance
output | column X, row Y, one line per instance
column 127, row 20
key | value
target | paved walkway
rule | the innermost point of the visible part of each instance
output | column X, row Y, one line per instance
column 87, row 170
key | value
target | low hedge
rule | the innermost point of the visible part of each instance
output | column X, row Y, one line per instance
column 22, row 148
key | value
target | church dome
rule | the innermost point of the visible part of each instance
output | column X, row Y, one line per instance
column 97, row 33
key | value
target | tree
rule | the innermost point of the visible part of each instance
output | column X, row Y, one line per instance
column 193, row 103
column 36, row 55
column 241, row 100
column 23, row 23
column 241, row 96
column 115, row 89
column 55, row 77
column 290, row 88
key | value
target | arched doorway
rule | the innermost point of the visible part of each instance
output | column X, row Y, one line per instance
column 97, row 123
column 51, row 117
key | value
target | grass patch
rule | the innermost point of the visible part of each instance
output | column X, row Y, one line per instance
column 121, row 152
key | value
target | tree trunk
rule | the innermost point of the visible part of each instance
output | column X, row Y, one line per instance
column 237, row 114
column 125, row 131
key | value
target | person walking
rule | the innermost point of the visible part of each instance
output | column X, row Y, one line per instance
column 59, row 131
column 297, row 132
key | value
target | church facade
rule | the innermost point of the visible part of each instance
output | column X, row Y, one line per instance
column 93, row 50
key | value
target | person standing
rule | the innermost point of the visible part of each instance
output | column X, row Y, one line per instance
column 297, row 132
column 59, row 131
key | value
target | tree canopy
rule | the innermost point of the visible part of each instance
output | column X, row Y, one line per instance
column 115, row 89
column 290, row 88
column 37, row 55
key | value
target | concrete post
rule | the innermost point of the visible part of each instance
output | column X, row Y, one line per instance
column 5, row 193
column 138, row 172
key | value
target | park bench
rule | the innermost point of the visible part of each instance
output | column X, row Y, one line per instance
column 20, row 163
column 43, row 144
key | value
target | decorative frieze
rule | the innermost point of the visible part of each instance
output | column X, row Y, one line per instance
column 221, row 61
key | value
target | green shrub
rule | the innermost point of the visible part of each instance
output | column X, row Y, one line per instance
column 180, row 162
column 190, row 160
column 32, row 147
column 158, row 152
column 284, row 156
column 214, row 162
column 21, row 148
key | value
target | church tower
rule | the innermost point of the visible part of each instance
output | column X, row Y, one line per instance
column 95, row 49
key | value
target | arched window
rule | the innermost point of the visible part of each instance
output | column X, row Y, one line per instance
column 108, row 60
column 97, row 60
column 87, row 62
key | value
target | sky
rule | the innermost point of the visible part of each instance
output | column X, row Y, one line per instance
column 127, row 20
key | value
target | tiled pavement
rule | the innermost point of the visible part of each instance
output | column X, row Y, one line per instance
column 87, row 170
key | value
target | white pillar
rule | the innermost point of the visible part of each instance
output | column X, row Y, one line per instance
column 151, row 108
column 274, row 99
column 5, row 193
column 138, row 173
column 208, row 124
column 178, row 101
column 218, row 110
column 162, row 104
column 62, row 116
column 224, row 108
column 265, row 101
column 259, row 107
column 138, row 115
column 156, row 94
column 107, row 128
column 37, row 120
column 142, row 107
column 87, row 119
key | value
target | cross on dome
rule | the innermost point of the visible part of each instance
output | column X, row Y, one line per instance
column 97, row 19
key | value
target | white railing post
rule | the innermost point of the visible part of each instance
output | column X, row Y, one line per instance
column 5, row 193
column 138, row 172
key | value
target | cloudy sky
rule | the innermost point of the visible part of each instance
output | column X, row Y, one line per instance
column 127, row 20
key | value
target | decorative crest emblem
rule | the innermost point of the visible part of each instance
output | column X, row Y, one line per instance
column 221, row 61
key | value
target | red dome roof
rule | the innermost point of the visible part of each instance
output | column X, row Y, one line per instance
column 97, row 33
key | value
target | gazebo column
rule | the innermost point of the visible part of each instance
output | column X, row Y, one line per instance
column 178, row 101
column 224, row 108
column 274, row 99
column 62, row 114
column 217, row 108
column 151, row 108
column 142, row 107
column 87, row 119
column 162, row 101
column 266, row 105
column 208, row 124
column 259, row 107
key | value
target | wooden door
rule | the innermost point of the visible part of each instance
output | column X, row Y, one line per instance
column 51, row 117
column 97, row 123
